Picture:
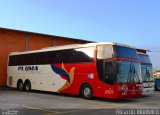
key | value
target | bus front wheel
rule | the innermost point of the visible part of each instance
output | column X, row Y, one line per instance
column 27, row 86
column 87, row 92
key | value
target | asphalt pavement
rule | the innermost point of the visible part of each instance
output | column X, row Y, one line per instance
column 13, row 102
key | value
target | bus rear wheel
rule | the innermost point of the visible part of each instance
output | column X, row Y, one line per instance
column 20, row 85
column 27, row 86
column 87, row 92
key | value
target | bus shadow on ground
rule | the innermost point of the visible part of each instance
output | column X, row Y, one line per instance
column 129, row 100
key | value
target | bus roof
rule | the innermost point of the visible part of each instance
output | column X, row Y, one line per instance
column 70, row 46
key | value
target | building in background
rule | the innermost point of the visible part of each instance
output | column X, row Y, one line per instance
column 17, row 41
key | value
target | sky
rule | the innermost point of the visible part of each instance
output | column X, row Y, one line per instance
column 132, row 22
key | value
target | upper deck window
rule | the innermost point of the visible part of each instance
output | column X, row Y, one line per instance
column 125, row 52
column 144, row 58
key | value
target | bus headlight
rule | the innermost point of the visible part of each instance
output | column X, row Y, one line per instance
column 123, row 88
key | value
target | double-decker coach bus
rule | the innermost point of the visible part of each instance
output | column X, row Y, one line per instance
column 108, row 70
column 147, row 72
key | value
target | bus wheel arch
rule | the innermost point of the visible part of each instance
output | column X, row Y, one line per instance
column 27, row 85
column 86, row 91
column 20, row 85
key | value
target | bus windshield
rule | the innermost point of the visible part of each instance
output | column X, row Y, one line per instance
column 146, row 68
column 129, row 72
column 120, row 71
column 146, row 72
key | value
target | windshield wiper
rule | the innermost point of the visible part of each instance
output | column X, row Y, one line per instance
column 147, row 75
column 136, row 75
column 132, row 75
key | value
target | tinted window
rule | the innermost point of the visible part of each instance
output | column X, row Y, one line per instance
column 51, row 57
column 84, row 54
column 144, row 58
column 125, row 52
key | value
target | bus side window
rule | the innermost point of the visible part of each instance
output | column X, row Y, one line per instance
column 15, row 60
column 58, row 57
column 74, row 56
column 21, row 62
column 10, row 60
column 109, row 74
column 66, row 56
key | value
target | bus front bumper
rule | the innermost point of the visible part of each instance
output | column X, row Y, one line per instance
column 148, row 91
column 121, row 94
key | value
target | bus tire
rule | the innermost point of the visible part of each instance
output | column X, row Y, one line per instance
column 27, row 86
column 20, row 85
column 87, row 91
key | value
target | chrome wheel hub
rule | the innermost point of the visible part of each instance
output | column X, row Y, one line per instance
column 87, row 92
